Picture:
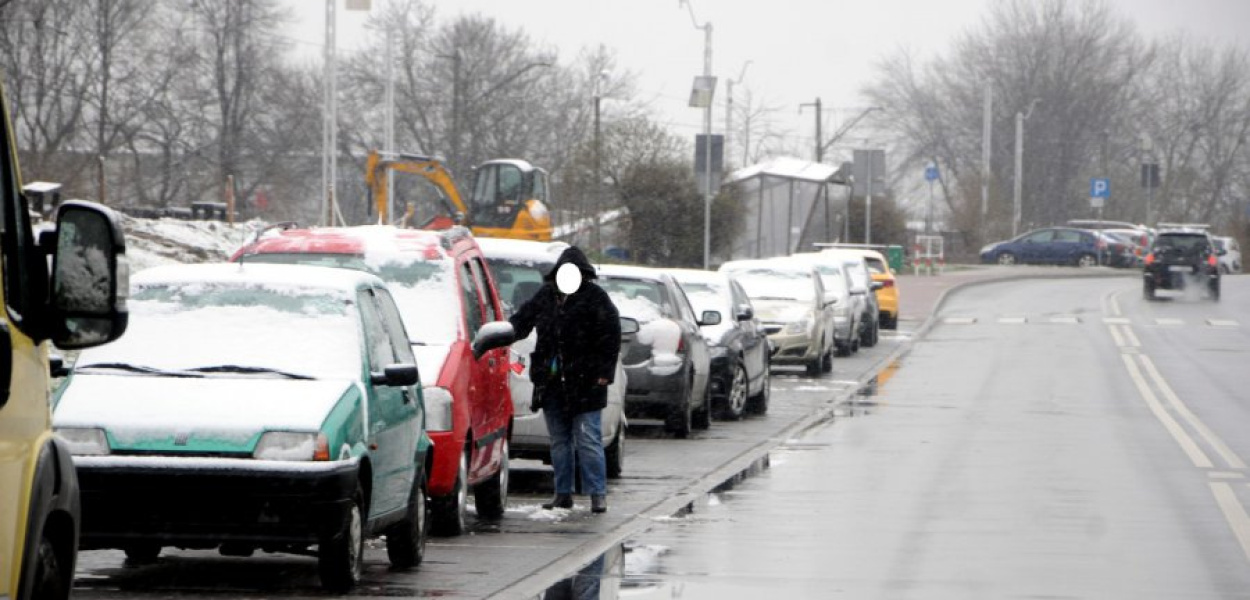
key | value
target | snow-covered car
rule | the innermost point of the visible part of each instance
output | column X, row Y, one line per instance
column 252, row 407
column 518, row 267
column 737, row 345
column 1229, row 252
column 666, row 362
column 863, row 293
column 848, row 316
column 789, row 298
column 446, row 297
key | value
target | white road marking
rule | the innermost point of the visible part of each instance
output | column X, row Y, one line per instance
column 1222, row 323
column 1234, row 512
column 1230, row 457
column 1187, row 444
column 1116, row 320
column 1115, row 304
column 1225, row 475
column 960, row 320
column 1130, row 350
column 1013, row 320
column 1065, row 320
column 1131, row 338
column 1115, row 335
column 1169, row 322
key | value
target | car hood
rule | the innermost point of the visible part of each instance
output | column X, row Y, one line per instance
column 778, row 311
column 184, row 414
column 430, row 361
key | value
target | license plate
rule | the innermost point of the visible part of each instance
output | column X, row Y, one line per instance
column 1180, row 269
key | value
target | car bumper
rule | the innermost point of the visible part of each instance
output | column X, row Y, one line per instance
column 207, row 501
column 794, row 349
column 1165, row 279
column 652, row 393
column 530, row 438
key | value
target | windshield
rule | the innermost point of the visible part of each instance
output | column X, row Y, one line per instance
column 640, row 299
column 769, row 284
column 705, row 296
column 185, row 326
column 518, row 279
column 424, row 290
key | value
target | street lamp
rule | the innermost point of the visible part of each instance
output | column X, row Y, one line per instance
column 729, row 107
column 701, row 96
column 1021, row 117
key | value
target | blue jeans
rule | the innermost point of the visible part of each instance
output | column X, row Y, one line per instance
column 576, row 441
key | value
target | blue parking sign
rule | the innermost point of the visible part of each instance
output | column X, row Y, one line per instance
column 1099, row 187
column 931, row 173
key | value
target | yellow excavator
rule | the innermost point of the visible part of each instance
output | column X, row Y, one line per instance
column 508, row 200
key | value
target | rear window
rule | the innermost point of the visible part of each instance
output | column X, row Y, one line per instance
column 770, row 284
column 1186, row 242
column 876, row 265
column 518, row 280
column 639, row 299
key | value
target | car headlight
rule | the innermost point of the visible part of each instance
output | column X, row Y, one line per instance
column 799, row 326
column 84, row 441
column 290, row 445
column 438, row 404
column 987, row 248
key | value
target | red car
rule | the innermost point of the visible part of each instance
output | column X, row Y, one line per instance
column 445, row 294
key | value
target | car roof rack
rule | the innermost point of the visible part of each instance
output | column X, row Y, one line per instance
column 849, row 245
column 281, row 226
column 1198, row 226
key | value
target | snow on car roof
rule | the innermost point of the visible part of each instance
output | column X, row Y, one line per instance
column 524, row 250
column 377, row 243
column 780, row 264
column 277, row 275
column 632, row 271
column 697, row 275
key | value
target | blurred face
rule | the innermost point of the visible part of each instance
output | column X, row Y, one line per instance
column 568, row 278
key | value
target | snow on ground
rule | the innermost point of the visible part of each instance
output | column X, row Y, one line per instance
column 155, row 242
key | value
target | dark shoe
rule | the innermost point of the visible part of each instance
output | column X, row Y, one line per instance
column 560, row 501
column 598, row 504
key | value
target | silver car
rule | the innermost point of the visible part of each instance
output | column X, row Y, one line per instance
column 848, row 314
column 518, row 267
column 789, row 298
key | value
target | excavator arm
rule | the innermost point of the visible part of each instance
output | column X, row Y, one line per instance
column 451, row 208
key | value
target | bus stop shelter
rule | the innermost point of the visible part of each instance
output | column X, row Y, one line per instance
column 787, row 207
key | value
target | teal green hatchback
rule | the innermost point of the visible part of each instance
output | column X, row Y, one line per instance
column 252, row 407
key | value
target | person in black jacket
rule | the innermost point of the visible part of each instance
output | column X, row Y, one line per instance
column 579, row 339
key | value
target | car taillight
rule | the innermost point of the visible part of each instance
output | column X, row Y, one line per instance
column 1211, row 260
column 1150, row 258
column 681, row 345
column 887, row 283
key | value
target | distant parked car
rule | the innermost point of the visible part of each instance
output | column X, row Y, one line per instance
column 270, row 407
column 848, row 311
column 518, row 267
column 737, row 345
column 1049, row 245
column 1230, row 254
column 446, row 296
column 789, row 298
column 887, row 293
column 667, row 362
column 1128, row 247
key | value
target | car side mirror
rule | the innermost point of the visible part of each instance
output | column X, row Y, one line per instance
column 495, row 334
column 629, row 326
column 56, row 366
column 876, row 285
column 745, row 313
column 709, row 317
column 90, row 276
column 830, row 299
column 396, row 375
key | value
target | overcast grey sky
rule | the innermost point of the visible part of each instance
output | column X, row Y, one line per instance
column 800, row 49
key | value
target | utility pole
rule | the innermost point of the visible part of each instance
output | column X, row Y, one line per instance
column 987, row 108
column 597, row 241
column 707, row 134
column 820, row 150
column 1021, row 117
column 329, row 129
column 729, row 108
column 868, row 205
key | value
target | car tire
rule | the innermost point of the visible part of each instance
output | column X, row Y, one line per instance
column 1086, row 260
column 813, row 366
column 449, row 516
column 53, row 578
column 614, row 455
column 701, row 417
column 826, row 363
column 678, row 421
column 758, row 404
column 1213, row 292
column 1006, row 258
column 889, row 321
column 736, row 400
column 340, row 555
column 869, row 338
column 405, row 540
column 1148, row 290
column 141, row 553
column 491, row 496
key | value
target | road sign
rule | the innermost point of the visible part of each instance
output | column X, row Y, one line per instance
column 931, row 173
column 1099, row 187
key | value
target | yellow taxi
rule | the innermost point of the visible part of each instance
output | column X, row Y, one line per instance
column 879, row 268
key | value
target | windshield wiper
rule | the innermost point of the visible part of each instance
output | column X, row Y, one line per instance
column 776, row 298
column 120, row 366
column 243, row 369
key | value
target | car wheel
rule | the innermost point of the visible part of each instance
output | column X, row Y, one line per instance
column 340, row 556
column 405, row 541
column 52, row 577
column 736, row 400
column 889, row 322
column 813, row 366
column 678, row 421
column 615, row 455
column 701, row 418
column 758, row 404
column 1086, row 260
column 826, row 363
column 449, row 511
column 141, row 554
column 1213, row 292
column 1006, row 258
column 1148, row 290
column 491, row 496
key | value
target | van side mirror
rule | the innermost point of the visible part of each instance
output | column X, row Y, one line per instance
column 90, row 276
column 709, row 317
column 495, row 334
column 745, row 313
column 629, row 326
column 396, row 375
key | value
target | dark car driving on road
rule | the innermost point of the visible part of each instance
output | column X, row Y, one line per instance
column 1182, row 259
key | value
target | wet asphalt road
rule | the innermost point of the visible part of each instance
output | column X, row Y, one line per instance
column 1045, row 439
column 530, row 548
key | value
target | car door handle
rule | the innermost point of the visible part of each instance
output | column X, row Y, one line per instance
column 490, row 362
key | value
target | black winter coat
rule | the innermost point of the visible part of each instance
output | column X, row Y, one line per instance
column 579, row 339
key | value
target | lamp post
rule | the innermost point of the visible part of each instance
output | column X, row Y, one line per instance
column 706, row 103
column 1021, row 117
column 729, row 104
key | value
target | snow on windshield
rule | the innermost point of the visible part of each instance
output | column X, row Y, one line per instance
column 705, row 296
column 644, row 301
column 181, row 326
column 776, row 284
